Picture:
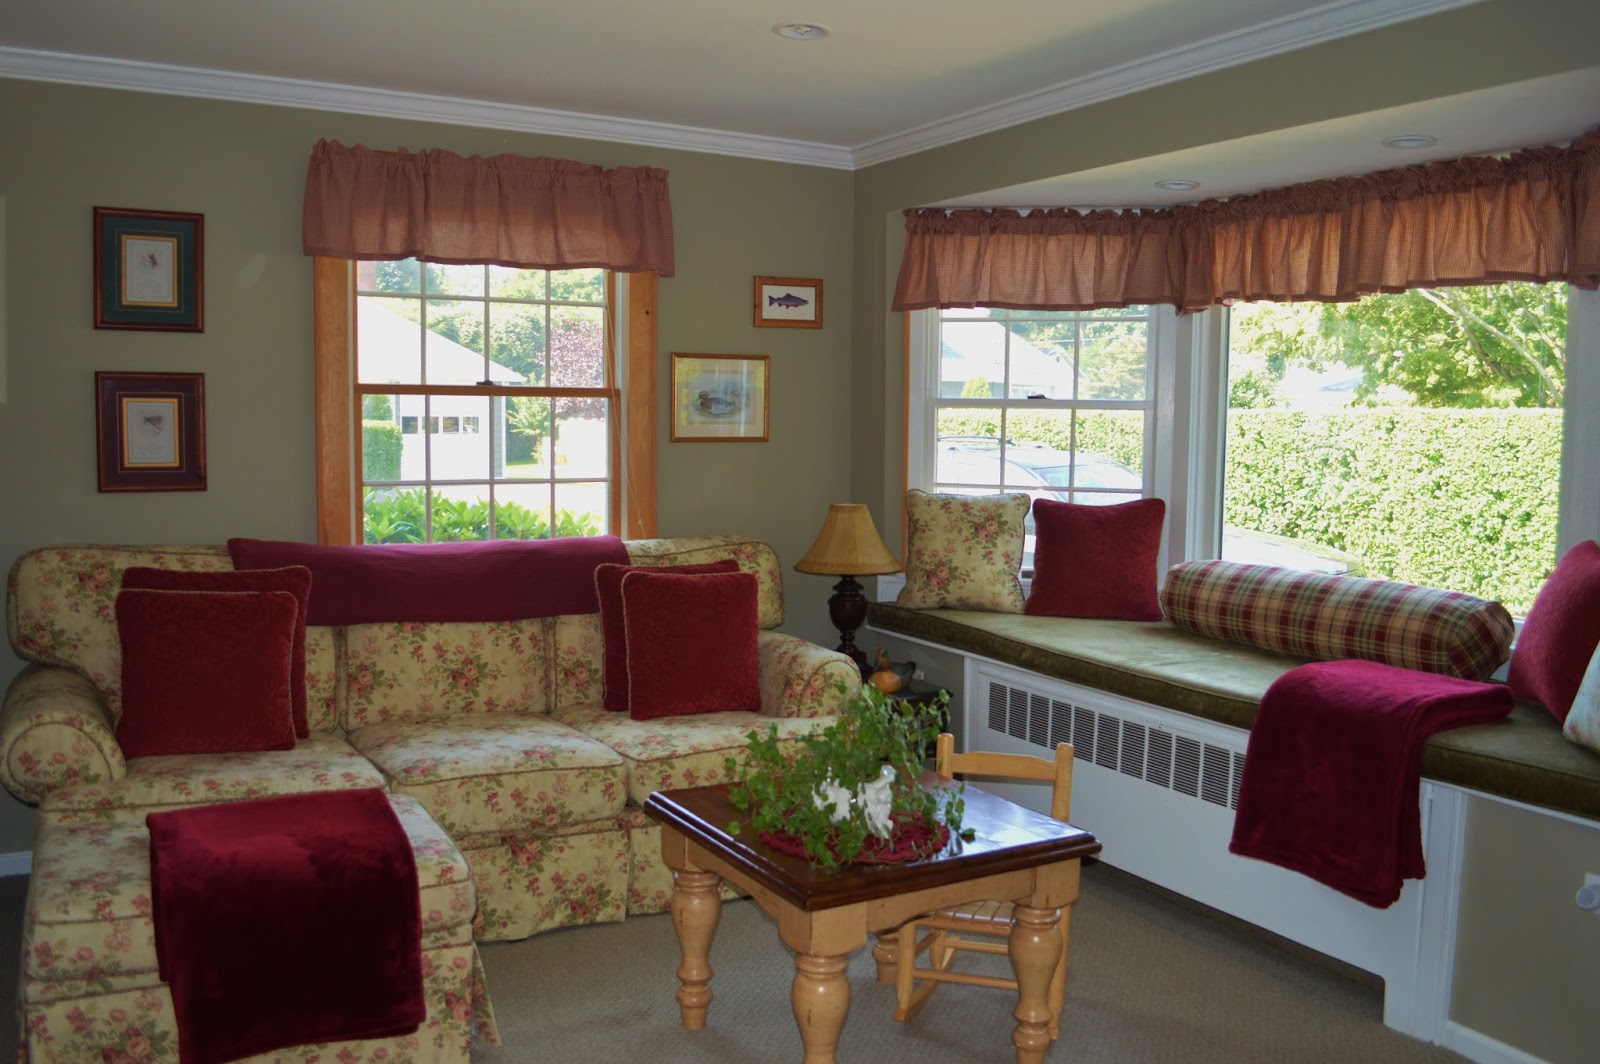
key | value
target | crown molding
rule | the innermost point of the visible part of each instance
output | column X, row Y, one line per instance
column 1341, row 18
column 1289, row 33
column 34, row 65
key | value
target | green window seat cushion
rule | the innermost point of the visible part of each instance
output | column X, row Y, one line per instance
column 1524, row 757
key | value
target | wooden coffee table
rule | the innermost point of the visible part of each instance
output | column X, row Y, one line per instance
column 1017, row 855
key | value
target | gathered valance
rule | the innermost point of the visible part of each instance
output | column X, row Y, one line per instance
column 506, row 210
column 1533, row 216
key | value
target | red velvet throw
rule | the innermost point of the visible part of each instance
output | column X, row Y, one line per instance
column 501, row 580
column 286, row 921
column 1334, row 766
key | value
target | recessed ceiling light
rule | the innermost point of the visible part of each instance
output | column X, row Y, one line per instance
column 800, row 31
column 1177, row 184
column 1410, row 141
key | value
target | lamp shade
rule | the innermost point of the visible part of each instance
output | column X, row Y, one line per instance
column 848, row 545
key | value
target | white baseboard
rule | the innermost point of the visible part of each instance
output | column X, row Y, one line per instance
column 1479, row 1047
column 16, row 864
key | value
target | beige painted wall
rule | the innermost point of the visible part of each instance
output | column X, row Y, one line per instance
column 64, row 150
column 1527, row 958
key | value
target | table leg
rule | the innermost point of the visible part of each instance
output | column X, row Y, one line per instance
column 885, row 953
column 696, row 908
column 1034, row 945
column 821, row 996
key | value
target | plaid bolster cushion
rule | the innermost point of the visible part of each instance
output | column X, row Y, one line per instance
column 1327, row 618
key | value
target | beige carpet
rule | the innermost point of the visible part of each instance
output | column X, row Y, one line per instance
column 1151, row 982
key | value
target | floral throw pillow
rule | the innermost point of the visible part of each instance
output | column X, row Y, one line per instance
column 964, row 551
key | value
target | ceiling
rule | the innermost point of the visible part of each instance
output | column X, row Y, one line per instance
column 893, row 77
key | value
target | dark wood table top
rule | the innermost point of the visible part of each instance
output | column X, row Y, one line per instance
column 1007, row 837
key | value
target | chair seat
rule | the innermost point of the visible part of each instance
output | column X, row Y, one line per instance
column 979, row 917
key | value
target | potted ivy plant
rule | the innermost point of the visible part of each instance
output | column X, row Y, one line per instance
column 849, row 793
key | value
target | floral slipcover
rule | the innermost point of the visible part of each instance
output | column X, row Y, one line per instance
column 504, row 773
column 494, row 727
column 91, row 991
column 964, row 551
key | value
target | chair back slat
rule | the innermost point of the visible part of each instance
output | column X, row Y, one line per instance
column 989, row 765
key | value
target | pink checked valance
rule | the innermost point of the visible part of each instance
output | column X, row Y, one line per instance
column 507, row 210
column 1534, row 216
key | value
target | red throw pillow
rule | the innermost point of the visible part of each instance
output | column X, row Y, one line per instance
column 691, row 643
column 295, row 579
column 1561, row 632
column 205, row 672
column 614, row 636
column 1096, row 561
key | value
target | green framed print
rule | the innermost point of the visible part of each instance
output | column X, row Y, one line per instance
column 149, row 270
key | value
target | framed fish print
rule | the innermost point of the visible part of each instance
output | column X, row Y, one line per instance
column 719, row 398
column 150, row 431
column 149, row 270
column 789, row 302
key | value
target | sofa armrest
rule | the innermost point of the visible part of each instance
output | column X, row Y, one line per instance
column 55, row 732
column 802, row 679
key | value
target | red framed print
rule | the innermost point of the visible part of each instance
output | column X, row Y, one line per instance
column 150, row 431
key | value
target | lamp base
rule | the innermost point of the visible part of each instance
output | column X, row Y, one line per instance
column 847, row 609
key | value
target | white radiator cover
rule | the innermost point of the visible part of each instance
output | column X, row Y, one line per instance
column 1158, row 789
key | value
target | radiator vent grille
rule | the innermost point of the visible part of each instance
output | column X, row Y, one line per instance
column 1204, row 771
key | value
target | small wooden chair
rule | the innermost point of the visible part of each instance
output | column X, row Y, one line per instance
column 947, row 929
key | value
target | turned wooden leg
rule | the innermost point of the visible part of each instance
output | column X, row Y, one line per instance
column 696, row 908
column 1035, row 947
column 821, row 996
column 884, row 952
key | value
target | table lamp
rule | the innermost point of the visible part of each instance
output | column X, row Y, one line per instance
column 847, row 547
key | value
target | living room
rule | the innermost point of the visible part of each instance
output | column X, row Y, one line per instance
column 837, row 415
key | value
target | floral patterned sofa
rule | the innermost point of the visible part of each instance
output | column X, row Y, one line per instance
column 495, row 728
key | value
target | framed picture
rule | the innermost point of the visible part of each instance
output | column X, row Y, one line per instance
column 150, row 431
column 789, row 302
column 719, row 398
column 149, row 270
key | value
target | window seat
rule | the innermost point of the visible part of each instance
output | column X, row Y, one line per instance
column 1524, row 758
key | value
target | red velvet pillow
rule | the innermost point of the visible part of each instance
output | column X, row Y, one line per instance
column 614, row 636
column 295, row 579
column 1096, row 561
column 1561, row 632
column 691, row 643
column 205, row 672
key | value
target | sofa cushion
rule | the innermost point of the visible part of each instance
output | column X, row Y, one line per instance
column 90, row 895
column 691, row 644
column 964, row 551
column 59, row 604
column 295, row 579
column 752, row 555
column 1096, row 561
column 614, row 633
column 321, row 762
column 205, row 672
column 428, row 672
column 1330, row 617
column 502, row 773
column 677, row 751
column 1560, row 633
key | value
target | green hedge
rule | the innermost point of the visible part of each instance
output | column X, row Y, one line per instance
column 400, row 517
column 380, row 450
column 1464, row 499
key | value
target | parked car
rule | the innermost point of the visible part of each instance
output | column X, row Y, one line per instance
column 1047, row 472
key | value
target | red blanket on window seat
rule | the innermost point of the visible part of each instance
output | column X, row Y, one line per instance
column 286, row 921
column 502, row 580
column 1333, row 770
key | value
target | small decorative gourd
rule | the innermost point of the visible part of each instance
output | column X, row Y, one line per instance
column 889, row 677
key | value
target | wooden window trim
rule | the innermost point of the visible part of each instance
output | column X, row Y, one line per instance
column 338, row 457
